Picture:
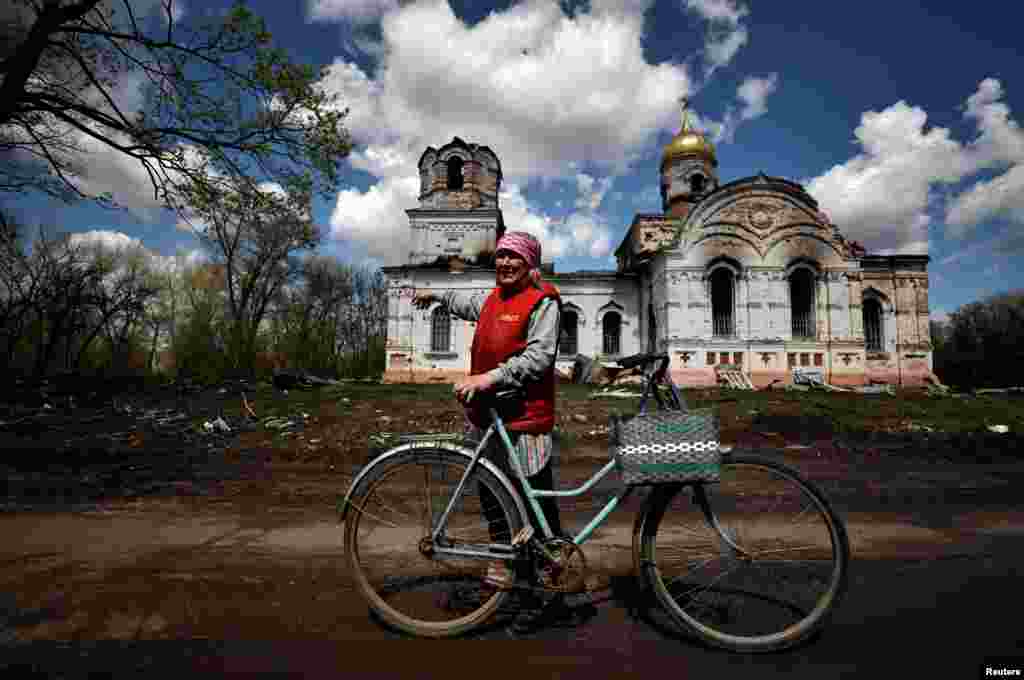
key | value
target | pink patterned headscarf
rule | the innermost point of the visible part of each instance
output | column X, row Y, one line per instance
column 523, row 244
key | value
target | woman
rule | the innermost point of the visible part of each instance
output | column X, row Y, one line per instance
column 514, row 347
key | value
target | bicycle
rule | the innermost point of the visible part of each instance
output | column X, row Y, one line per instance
column 718, row 557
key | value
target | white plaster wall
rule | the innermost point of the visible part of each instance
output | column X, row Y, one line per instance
column 591, row 299
column 839, row 313
column 415, row 324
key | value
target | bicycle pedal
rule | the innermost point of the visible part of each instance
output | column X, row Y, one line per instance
column 524, row 535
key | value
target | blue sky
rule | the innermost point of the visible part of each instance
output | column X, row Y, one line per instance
column 899, row 117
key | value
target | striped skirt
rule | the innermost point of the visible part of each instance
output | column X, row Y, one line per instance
column 532, row 450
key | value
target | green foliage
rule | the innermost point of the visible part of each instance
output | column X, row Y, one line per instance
column 332, row 322
column 984, row 344
column 219, row 100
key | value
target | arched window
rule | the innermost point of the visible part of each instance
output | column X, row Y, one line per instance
column 872, row 311
column 612, row 327
column 440, row 330
column 697, row 183
column 568, row 339
column 455, row 173
column 722, row 305
column 801, row 300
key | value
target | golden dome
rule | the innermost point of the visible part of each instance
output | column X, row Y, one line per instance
column 688, row 143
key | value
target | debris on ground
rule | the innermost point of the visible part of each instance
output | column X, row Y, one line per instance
column 876, row 389
column 619, row 393
column 1001, row 390
column 1000, row 429
column 815, row 378
column 248, row 409
column 734, row 378
column 218, row 425
column 582, row 368
column 285, row 380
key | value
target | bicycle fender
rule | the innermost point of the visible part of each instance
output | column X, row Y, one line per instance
column 443, row 445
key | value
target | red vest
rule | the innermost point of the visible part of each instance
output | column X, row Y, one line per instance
column 501, row 334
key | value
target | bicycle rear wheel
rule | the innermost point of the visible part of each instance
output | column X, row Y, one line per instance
column 387, row 541
column 755, row 562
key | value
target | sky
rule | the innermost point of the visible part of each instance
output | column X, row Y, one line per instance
column 900, row 118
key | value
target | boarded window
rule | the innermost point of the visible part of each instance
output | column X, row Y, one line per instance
column 801, row 300
column 872, row 311
column 612, row 328
column 455, row 174
column 792, row 359
column 805, row 359
column 722, row 302
column 819, row 360
column 568, row 339
column 440, row 330
column 711, row 358
column 737, row 358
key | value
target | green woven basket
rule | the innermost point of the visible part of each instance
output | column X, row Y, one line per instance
column 667, row 446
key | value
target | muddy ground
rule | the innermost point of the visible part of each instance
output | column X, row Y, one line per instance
column 132, row 541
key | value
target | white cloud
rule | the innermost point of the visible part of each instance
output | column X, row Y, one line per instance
column 726, row 33
column 620, row 7
column 537, row 87
column 358, row 11
column 1001, row 138
column 726, row 11
column 1000, row 142
column 112, row 241
column 547, row 92
column 753, row 92
column 885, row 195
column 881, row 196
column 1002, row 195
column 377, row 217
column 118, row 243
column 579, row 234
column 753, row 95
column 591, row 192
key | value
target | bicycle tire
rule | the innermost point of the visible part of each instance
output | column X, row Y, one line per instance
column 737, row 505
column 387, row 573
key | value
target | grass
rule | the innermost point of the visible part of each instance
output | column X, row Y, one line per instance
column 347, row 417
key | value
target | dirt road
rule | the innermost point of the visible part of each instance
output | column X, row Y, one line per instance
column 246, row 578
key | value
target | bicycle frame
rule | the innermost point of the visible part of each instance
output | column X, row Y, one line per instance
column 532, row 495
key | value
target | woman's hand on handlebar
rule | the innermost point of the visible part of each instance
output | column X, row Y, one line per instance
column 468, row 389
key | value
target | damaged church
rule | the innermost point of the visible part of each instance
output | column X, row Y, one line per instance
column 747, row 275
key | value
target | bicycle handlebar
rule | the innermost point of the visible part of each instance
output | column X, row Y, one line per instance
column 644, row 359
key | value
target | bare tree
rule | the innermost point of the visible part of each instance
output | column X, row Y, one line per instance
column 255, row 233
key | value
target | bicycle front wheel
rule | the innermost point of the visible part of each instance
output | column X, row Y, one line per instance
column 388, row 547
column 755, row 562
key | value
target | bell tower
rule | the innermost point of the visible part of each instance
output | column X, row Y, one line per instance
column 458, row 219
column 688, row 168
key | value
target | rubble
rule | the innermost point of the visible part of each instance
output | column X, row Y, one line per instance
column 734, row 378
column 1000, row 429
column 609, row 392
column 285, row 380
column 1001, row 390
column 876, row 389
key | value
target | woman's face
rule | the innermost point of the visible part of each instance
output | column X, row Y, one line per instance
column 512, row 269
